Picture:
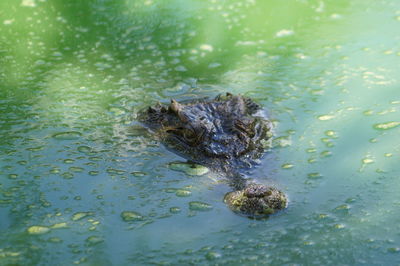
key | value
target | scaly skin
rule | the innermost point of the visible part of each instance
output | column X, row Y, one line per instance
column 225, row 135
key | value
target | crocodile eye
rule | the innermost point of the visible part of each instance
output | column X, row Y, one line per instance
column 189, row 135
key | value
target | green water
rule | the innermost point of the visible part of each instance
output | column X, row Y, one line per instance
column 81, row 183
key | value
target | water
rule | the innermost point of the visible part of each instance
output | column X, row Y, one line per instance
column 81, row 183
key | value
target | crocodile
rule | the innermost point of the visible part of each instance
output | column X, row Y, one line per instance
column 225, row 134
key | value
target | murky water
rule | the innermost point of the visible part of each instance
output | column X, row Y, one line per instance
column 81, row 183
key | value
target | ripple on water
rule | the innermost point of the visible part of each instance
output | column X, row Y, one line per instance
column 93, row 173
column 138, row 173
column 68, row 135
column 84, row 149
column 69, row 161
column 67, row 175
column 76, row 169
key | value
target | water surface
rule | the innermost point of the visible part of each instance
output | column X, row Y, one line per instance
column 81, row 183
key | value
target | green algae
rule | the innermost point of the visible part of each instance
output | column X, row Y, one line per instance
column 80, row 215
column 94, row 240
column 38, row 230
column 131, row 216
column 387, row 125
column 174, row 210
column 183, row 193
column 189, row 168
column 199, row 206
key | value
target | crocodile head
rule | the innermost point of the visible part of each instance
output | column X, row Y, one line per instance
column 225, row 134
column 224, row 128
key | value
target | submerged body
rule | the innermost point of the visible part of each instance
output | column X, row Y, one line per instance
column 225, row 135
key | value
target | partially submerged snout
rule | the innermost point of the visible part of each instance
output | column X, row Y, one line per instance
column 256, row 201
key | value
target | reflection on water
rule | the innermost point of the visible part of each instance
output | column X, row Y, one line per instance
column 81, row 183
